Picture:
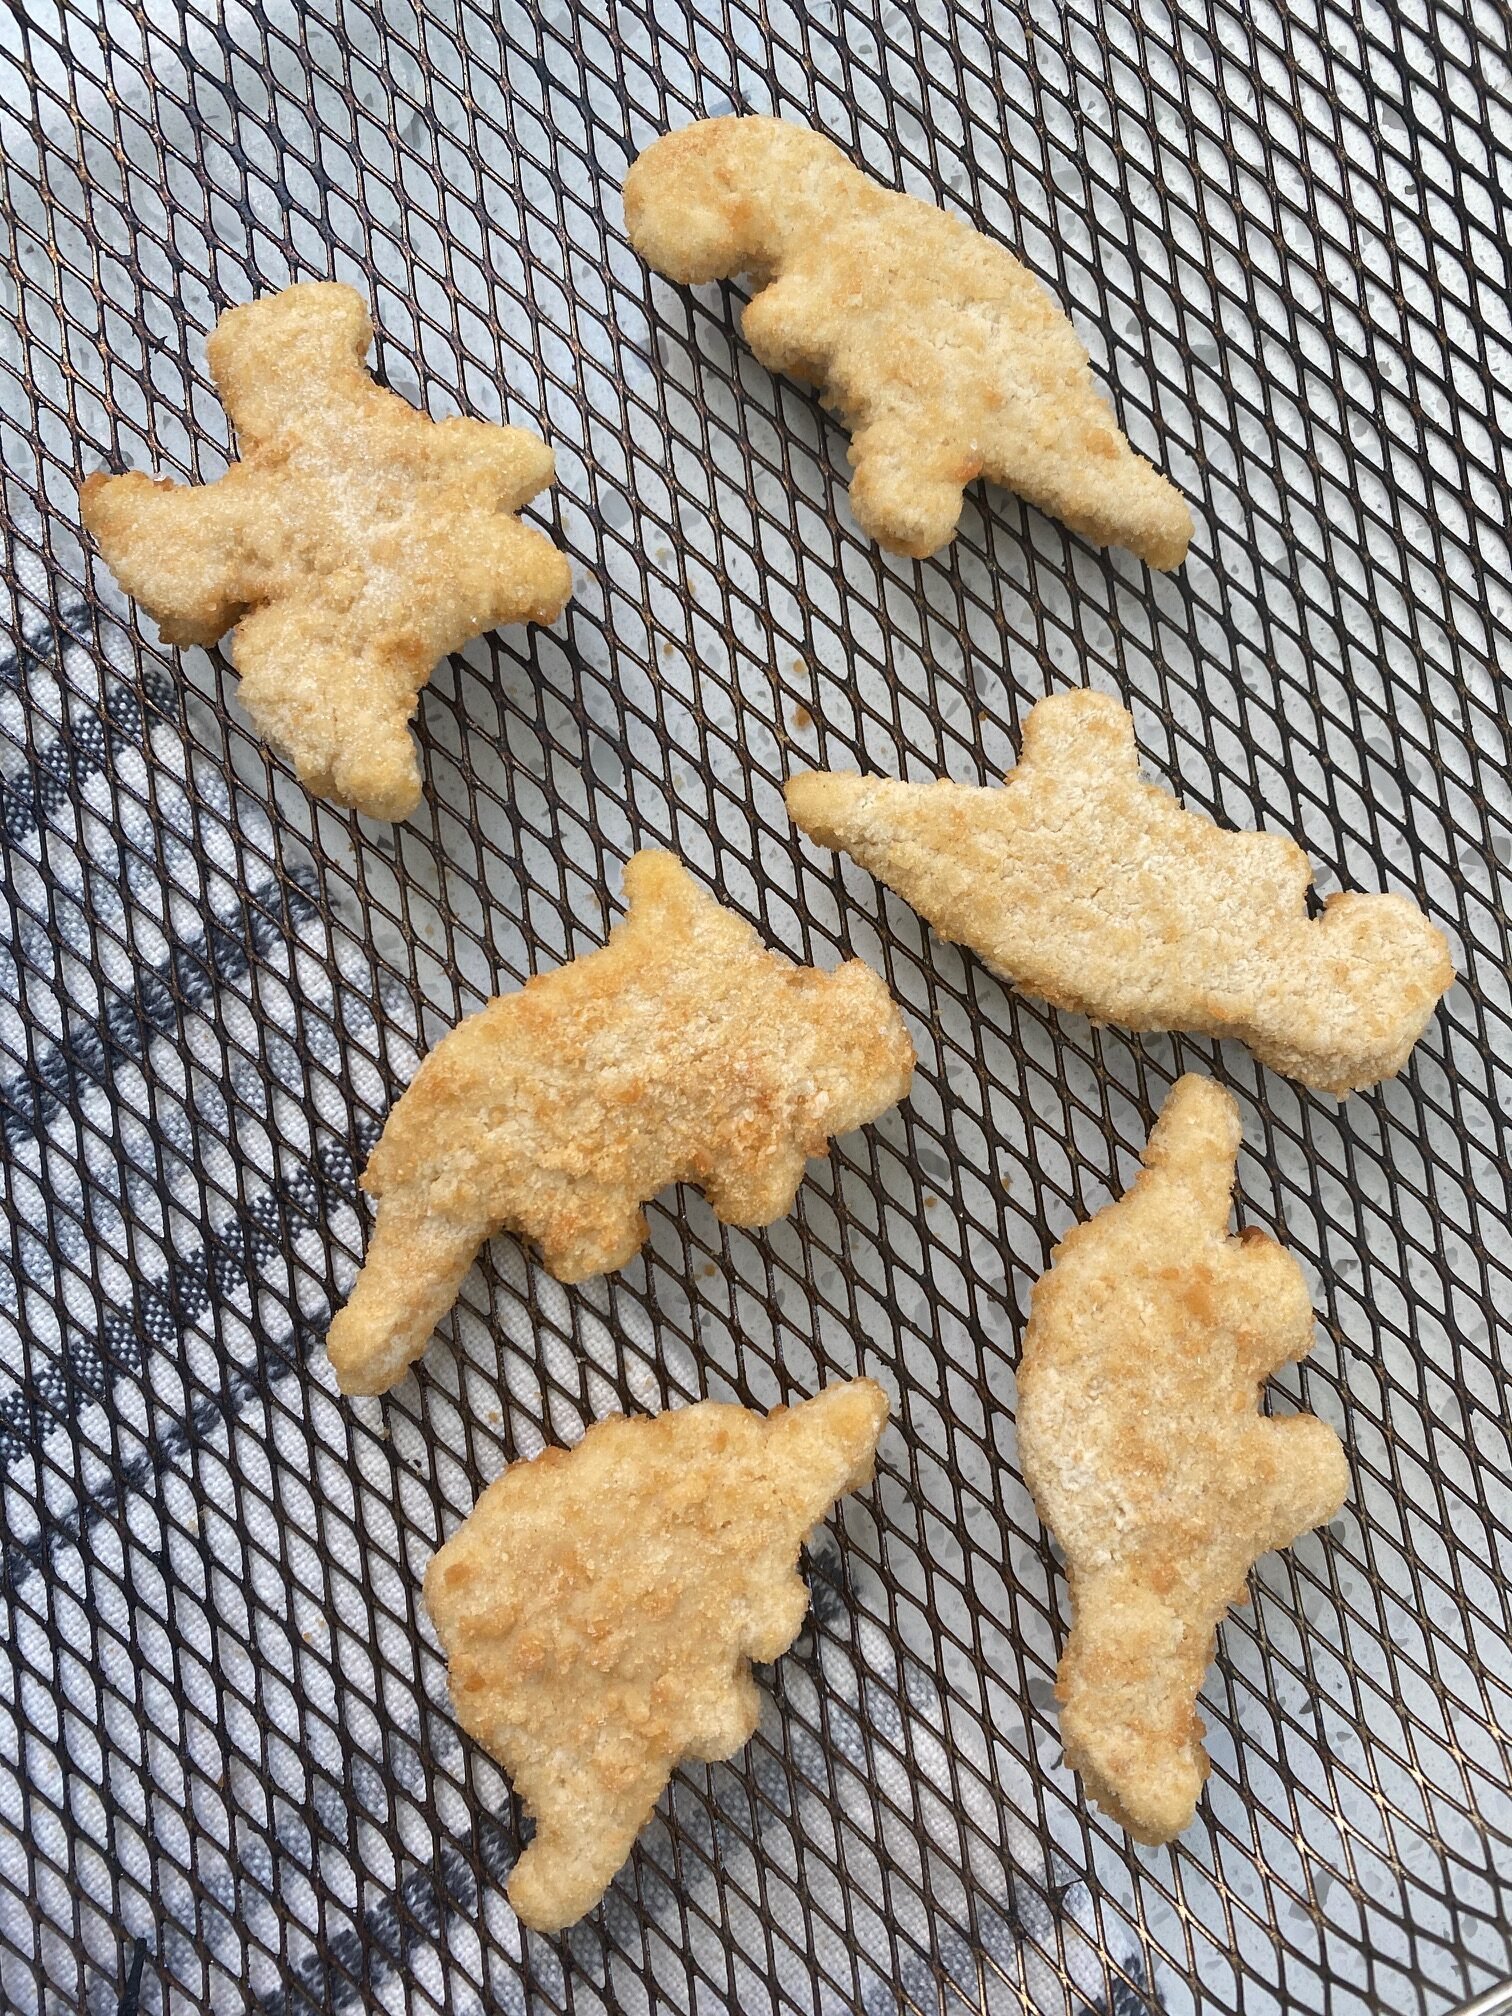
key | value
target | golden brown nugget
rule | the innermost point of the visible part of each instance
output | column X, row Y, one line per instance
column 600, row 1609
column 1140, row 1437
column 354, row 544
column 945, row 357
column 1082, row 884
column 682, row 1052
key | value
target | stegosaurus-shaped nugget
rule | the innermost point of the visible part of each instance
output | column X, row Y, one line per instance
column 682, row 1052
column 1140, row 1437
column 945, row 357
column 599, row 1610
column 354, row 544
column 1081, row 883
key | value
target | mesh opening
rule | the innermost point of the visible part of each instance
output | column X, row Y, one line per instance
column 229, row 1776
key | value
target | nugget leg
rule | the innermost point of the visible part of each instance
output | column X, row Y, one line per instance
column 785, row 325
column 758, row 1190
column 907, row 492
column 411, row 1277
column 340, row 714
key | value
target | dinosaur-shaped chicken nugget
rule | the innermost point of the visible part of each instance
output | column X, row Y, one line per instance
column 599, row 1611
column 1140, row 1436
column 1081, row 883
column 682, row 1052
column 944, row 356
column 354, row 544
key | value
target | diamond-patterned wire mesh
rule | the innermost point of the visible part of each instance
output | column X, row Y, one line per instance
column 229, row 1776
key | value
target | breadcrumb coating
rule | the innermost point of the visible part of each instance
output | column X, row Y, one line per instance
column 682, row 1052
column 1079, row 882
column 354, row 544
column 1141, row 1439
column 600, row 1609
column 943, row 355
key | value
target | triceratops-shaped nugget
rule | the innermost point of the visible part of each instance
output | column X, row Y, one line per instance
column 1140, row 1437
column 354, row 544
column 1081, row 883
column 682, row 1052
column 599, row 1610
column 944, row 356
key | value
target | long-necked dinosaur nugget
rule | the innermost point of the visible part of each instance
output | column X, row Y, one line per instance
column 354, row 544
column 944, row 356
column 682, row 1052
column 600, row 1610
column 1079, row 882
column 1141, row 1438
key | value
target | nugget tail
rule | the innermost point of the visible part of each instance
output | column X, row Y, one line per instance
column 575, row 1856
column 922, row 840
column 1095, row 484
column 828, row 806
column 413, row 1272
column 1128, row 1687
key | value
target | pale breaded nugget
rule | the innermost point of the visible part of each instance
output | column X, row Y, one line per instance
column 682, row 1052
column 354, row 544
column 1140, row 1437
column 599, row 1610
column 1082, row 884
column 944, row 356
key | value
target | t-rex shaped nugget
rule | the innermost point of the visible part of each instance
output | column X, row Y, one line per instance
column 599, row 1609
column 1140, row 1436
column 354, row 544
column 682, row 1052
column 1083, row 884
column 944, row 356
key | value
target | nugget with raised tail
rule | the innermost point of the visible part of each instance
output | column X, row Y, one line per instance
column 1141, row 1439
column 944, row 356
column 600, row 1609
column 354, row 544
column 1079, row 882
column 683, row 1051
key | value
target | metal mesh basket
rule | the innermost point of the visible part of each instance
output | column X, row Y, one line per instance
column 229, row 1776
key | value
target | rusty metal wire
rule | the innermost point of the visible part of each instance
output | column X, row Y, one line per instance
column 229, row 1776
